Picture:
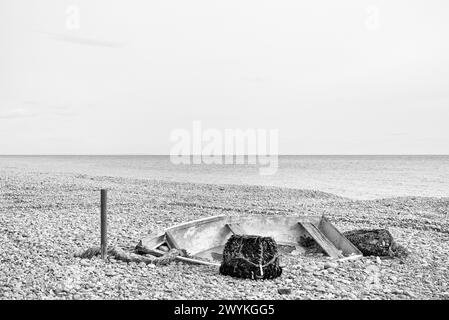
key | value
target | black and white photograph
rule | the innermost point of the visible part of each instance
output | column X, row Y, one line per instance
column 227, row 151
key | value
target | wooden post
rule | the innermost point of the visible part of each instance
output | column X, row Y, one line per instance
column 104, row 223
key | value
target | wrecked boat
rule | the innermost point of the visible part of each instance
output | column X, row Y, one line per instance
column 203, row 240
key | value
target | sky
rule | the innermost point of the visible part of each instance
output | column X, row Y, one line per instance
column 116, row 77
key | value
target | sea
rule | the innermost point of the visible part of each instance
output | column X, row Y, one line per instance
column 357, row 177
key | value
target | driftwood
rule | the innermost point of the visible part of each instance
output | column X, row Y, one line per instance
column 183, row 257
column 120, row 254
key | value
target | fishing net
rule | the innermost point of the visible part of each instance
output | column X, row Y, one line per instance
column 377, row 242
column 251, row 257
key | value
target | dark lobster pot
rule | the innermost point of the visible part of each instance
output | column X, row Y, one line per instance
column 376, row 242
column 251, row 257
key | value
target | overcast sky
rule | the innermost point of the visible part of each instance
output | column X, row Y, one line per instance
column 335, row 77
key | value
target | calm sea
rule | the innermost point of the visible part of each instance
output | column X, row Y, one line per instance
column 360, row 177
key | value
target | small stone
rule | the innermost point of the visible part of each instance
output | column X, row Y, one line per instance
column 320, row 288
column 84, row 262
column 284, row 291
column 308, row 269
column 298, row 251
column 329, row 265
column 410, row 294
column 306, row 287
column 164, row 248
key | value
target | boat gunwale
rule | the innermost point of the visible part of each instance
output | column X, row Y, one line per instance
column 216, row 218
column 201, row 221
column 196, row 222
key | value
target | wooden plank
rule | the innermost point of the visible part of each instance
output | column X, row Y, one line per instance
column 235, row 228
column 158, row 253
column 196, row 223
column 171, row 241
column 338, row 239
column 321, row 239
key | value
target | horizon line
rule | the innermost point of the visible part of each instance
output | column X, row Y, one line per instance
column 224, row 155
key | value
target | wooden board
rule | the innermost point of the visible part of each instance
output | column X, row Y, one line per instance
column 338, row 239
column 171, row 240
column 321, row 239
column 235, row 228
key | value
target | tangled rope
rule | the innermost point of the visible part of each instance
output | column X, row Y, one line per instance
column 120, row 254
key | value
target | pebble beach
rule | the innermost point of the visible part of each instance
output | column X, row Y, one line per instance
column 46, row 218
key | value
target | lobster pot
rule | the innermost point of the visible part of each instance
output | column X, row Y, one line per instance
column 377, row 242
column 251, row 257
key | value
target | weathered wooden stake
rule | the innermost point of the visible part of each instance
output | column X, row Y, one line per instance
column 104, row 223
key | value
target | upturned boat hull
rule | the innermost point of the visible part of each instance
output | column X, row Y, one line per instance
column 204, row 239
